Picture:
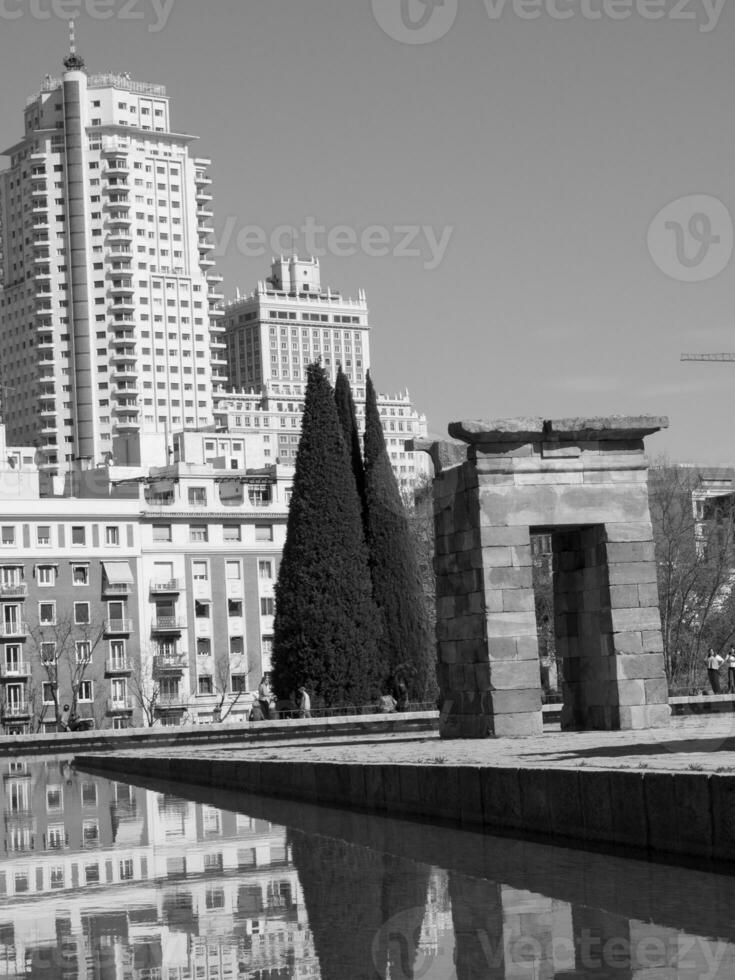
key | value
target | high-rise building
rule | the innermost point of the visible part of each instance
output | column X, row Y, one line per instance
column 109, row 310
column 273, row 334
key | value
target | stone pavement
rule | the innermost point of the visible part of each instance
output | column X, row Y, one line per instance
column 691, row 744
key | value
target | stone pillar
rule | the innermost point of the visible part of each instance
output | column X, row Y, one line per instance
column 584, row 480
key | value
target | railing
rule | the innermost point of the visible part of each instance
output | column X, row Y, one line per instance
column 118, row 665
column 169, row 663
column 169, row 701
column 17, row 669
column 17, row 628
column 17, row 591
column 119, row 704
column 173, row 585
column 169, row 623
column 16, row 709
column 117, row 588
column 118, row 626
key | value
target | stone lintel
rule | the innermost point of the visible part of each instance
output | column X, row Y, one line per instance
column 444, row 454
column 609, row 428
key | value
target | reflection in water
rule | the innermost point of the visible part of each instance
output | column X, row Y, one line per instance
column 102, row 880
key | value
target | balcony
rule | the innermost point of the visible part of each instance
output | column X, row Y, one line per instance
column 15, row 709
column 14, row 670
column 116, row 588
column 169, row 663
column 207, row 263
column 168, row 624
column 14, row 591
column 15, row 630
column 171, row 702
column 118, row 626
column 119, row 665
column 117, row 706
column 129, row 423
column 162, row 588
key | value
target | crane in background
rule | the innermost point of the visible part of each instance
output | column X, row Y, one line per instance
column 708, row 357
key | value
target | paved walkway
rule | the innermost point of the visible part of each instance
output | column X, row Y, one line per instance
column 692, row 744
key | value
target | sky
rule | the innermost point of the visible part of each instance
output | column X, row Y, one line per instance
column 536, row 195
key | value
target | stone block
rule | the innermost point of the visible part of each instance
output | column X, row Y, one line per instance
column 648, row 595
column 630, row 551
column 521, row 556
column 503, row 536
column 653, row 641
column 632, row 573
column 496, row 557
column 510, row 624
column 628, row 643
column 503, row 648
column 519, row 676
column 482, row 677
column 527, row 648
column 513, row 702
column 507, row 578
column 625, row 531
column 630, row 692
column 633, row 620
column 639, row 717
column 518, row 600
column 514, row 725
column 494, row 601
column 644, row 666
column 657, row 691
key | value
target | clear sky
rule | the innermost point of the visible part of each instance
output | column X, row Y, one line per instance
column 545, row 147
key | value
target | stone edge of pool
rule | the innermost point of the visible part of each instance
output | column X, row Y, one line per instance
column 688, row 815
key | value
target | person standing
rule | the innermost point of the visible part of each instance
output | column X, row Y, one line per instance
column 714, row 662
column 265, row 696
column 731, row 670
column 304, row 703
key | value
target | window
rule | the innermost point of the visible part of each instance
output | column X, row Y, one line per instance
column 48, row 652
column 80, row 574
column 231, row 532
column 204, row 647
column 126, row 869
column 267, row 606
column 92, row 874
column 200, row 571
column 89, row 794
column 205, row 684
column 54, row 798
column 198, row 532
column 8, row 534
column 47, row 613
column 83, row 651
column 48, row 692
column 201, row 610
column 198, row 496
column 161, row 532
column 239, row 683
column 263, row 532
column 43, row 535
column 112, row 535
column 234, row 607
column 81, row 613
column 46, row 575
column 233, row 571
column 265, row 569
column 90, row 833
column 78, row 535
column 85, row 691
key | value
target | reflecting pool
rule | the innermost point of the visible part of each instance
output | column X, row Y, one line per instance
column 104, row 879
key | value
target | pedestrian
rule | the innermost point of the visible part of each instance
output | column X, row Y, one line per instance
column 64, row 720
column 265, row 695
column 714, row 662
column 731, row 670
column 400, row 693
column 256, row 712
column 304, row 703
column 387, row 704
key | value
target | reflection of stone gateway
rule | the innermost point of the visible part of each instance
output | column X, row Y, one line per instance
column 585, row 482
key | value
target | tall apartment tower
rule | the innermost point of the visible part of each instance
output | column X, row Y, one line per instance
column 109, row 309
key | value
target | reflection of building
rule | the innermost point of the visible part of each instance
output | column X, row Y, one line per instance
column 132, row 881
column 273, row 334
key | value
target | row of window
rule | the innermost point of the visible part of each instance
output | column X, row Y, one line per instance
column 10, row 537
column 199, row 533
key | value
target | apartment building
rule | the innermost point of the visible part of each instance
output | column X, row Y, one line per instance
column 109, row 310
column 147, row 597
column 273, row 334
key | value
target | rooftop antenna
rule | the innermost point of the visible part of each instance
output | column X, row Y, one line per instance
column 73, row 62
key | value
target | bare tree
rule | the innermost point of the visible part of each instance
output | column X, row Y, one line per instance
column 65, row 650
column 226, row 702
column 696, row 566
column 145, row 689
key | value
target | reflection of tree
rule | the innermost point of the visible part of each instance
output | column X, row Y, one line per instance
column 365, row 908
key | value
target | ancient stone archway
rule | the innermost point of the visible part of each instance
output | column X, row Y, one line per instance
column 584, row 481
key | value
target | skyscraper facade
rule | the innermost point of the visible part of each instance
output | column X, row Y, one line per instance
column 109, row 311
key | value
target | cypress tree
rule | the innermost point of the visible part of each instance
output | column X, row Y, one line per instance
column 408, row 642
column 348, row 421
column 326, row 630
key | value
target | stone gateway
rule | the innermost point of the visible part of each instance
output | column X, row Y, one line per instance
column 584, row 482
